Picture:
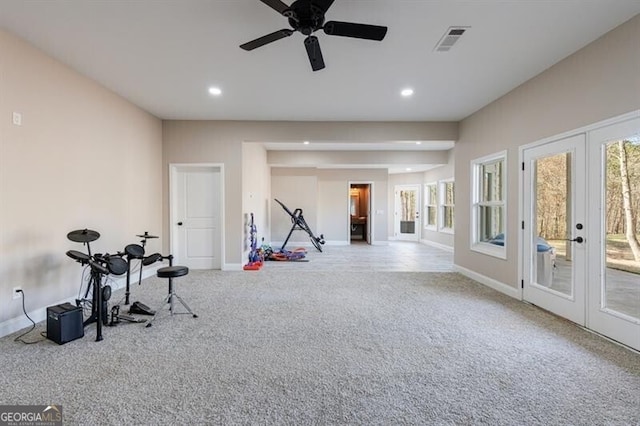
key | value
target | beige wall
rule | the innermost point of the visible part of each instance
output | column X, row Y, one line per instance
column 296, row 189
column 83, row 158
column 256, row 193
column 598, row 82
column 334, row 218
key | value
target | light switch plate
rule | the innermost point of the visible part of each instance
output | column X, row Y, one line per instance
column 17, row 119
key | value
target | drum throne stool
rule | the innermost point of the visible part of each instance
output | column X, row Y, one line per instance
column 172, row 272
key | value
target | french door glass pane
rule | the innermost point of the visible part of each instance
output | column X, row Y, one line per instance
column 621, row 280
column 552, row 254
column 408, row 200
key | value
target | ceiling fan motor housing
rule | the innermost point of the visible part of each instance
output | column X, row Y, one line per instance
column 305, row 17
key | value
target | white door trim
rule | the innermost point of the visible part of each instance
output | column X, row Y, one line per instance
column 370, row 219
column 173, row 199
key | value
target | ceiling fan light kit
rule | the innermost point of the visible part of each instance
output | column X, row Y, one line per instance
column 307, row 17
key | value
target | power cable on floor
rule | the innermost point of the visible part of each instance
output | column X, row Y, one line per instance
column 33, row 326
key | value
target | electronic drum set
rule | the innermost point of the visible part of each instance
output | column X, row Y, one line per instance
column 103, row 265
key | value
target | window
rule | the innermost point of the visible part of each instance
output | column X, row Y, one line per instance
column 489, row 205
column 431, row 205
column 447, row 201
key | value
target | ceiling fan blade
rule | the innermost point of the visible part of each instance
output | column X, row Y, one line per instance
column 322, row 4
column 351, row 29
column 276, row 5
column 269, row 38
column 314, row 53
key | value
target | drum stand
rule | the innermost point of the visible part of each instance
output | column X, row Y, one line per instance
column 98, row 302
column 98, row 308
column 146, row 236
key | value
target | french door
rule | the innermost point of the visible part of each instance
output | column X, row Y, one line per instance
column 578, row 262
column 407, row 214
column 554, row 217
column 614, row 289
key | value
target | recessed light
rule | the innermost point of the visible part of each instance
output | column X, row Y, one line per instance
column 406, row 92
column 306, row 142
column 408, row 169
column 418, row 143
column 215, row 91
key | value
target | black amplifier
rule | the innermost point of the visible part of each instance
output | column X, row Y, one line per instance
column 64, row 323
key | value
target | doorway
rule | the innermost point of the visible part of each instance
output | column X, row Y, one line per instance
column 360, row 219
column 578, row 245
column 196, row 215
column 407, row 215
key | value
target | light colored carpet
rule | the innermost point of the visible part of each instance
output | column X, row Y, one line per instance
column 377, row 348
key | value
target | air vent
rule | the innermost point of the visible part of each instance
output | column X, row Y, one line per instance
column 450, row 37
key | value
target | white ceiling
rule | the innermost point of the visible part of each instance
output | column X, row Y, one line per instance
column 163, row 55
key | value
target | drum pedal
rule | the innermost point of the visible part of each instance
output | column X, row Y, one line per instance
column 131, row 319
column 141, row 309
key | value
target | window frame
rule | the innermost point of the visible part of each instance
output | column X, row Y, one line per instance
column 477, row 182
column 442, row 204
column 427, row 206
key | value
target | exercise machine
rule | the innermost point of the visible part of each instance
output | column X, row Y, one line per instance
column 300, row 224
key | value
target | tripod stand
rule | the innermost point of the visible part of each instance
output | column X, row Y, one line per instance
column 171, row 272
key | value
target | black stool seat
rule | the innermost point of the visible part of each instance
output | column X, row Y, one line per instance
column 172, row 271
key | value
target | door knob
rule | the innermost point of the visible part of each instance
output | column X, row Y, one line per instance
column 179, row 223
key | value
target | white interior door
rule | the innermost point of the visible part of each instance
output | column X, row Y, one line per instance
column 578, row 241
column 407, row 214
column 196, row 216
column 554, row 227
column 614, row 271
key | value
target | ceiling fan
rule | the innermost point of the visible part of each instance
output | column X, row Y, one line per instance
column 307, row 17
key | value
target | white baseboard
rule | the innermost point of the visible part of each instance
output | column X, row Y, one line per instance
column 40, row 314
column 232, row 267
column 437, row 245
column 516, row 293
